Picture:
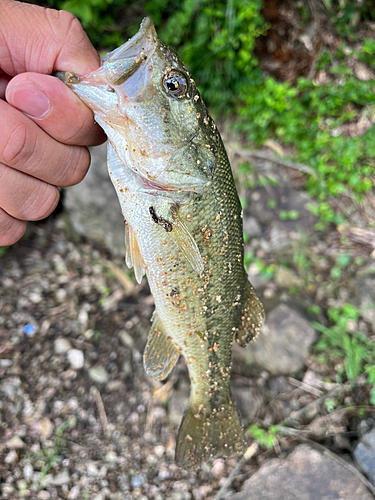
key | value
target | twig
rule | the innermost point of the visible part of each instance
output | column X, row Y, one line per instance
column 295, row 415
column 305, row 387
column 101, row 410
column 289, row 164
column 353, row 470
column 250, row 452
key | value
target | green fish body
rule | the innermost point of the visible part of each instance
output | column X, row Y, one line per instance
column 183, row 219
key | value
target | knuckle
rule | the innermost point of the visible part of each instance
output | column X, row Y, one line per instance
column 65, row 25
column 19, row 147
column 76, row 165
column 41, row 202
column 11, row 230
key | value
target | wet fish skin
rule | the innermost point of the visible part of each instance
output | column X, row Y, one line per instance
column 184, row 230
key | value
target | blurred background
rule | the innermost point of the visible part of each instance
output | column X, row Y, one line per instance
column 291, row 86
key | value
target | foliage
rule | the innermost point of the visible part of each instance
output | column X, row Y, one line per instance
column 264, row 437
column 347, row 348
column 216, row 41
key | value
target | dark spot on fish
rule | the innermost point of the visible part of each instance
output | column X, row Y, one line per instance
column 160, row 220
column 174, row 291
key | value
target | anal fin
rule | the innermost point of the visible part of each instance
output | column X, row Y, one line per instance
column 160, row 354
column 252, row 317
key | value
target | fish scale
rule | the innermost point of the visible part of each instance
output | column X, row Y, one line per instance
column 172, row 176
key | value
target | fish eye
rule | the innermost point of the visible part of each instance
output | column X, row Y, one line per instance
column 175, row 83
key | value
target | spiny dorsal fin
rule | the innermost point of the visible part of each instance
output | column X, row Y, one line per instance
column 160, row 354
column 186, row 243
column 252, row 317
column 133, row 257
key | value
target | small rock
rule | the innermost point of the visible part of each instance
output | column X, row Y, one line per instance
column 218, row 468
column 74, row 492
column 76, row 359
column 111, row 456
column 15, row 443
column 286, row 278
column 44, row 427
column 283, row 344
column 137, row 481
column 61, row 478
column 11, row 458
column 115, row 385
column 159, row 450
column 305, row 473
column 28, row 472
column 5, row 363
column 61, row 345
column 98, row 374
column 43, row 495
column 364, row 454
column 99, row 496
column 92, row 469
column 126, row 339
column 362, row 72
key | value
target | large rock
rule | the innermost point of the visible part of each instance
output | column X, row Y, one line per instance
column 364, row 454
column 283, row 344
column 93, row 207
column 305, row 474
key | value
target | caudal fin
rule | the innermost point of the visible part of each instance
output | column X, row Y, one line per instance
column 206, row 434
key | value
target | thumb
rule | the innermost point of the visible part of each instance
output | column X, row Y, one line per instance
column 41, row 40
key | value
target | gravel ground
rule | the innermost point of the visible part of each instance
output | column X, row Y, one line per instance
column 79, row 419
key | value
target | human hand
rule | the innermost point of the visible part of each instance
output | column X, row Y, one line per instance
column 44, row 127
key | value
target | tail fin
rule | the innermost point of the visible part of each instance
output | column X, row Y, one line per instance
column 206, row 434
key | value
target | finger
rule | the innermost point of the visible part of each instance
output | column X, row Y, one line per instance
column 24, row 197
column 47, row 40
column 4, row 80
column 27, row 148
column 55, row 109
column 11, row 230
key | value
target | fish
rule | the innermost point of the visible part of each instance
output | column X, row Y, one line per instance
column 183, row 229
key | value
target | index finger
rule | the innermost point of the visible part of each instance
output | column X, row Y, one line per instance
column 47, row 40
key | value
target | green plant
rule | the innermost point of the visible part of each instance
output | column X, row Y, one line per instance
column 339, row 343
column 48, row 458
column 264, row 437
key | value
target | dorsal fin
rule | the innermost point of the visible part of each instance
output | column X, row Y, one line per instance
column 252, row 317
column 160, row 354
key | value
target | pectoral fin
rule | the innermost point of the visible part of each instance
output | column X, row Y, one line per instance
column 133, row 257
column 160, row 354
column 186, row 243
column 252, row 317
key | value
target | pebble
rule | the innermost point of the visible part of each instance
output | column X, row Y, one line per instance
column 15, row 443
column 98, row 374
column 137, row 481
column 44, row 427
column 111, row 456
column 74, row 492
column 61, row 345
column 61, row 478
column 5, row 363
column 11, row 458
column 28, row 472
column 76, row 359
column 218, row 468
column 159, row 450
column 126, row 339
column 43, row 495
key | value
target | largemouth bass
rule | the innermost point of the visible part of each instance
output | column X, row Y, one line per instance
column 183, row 219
